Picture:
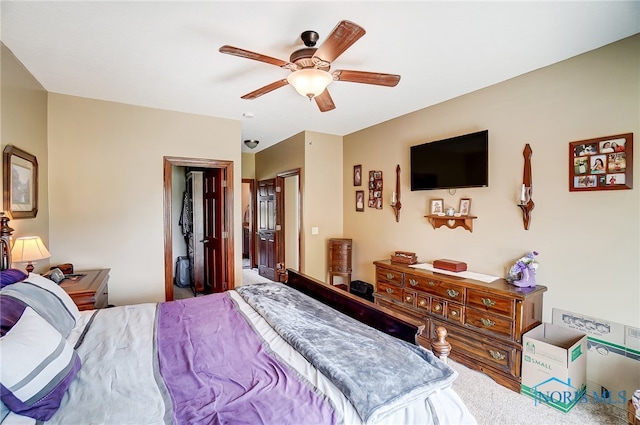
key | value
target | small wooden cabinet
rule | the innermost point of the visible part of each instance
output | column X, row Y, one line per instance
column 485, row 321
column 340, row 260
column 89, row 289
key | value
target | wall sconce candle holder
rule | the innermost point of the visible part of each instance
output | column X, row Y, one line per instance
column 395, row 197
column 526, row 203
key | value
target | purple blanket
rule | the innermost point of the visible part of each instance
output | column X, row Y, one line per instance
column 217, row 370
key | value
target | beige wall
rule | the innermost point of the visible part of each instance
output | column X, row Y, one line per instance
column 23, row 124
column 320, row 158
column 106, row 184
column 322, row 199
column 248, row 165
column 589, row 243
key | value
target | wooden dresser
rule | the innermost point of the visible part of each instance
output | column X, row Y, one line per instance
column 485, row 321
column 340, row 260
column 90, row 291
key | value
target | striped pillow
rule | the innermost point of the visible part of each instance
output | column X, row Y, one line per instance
column 38, row 365
column 55, row 289
column 48, row 300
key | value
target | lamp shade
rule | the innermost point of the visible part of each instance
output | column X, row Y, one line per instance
column 29, row 249
column 310, row 82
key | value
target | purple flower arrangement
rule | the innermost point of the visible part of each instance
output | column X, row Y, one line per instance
column 527, row 262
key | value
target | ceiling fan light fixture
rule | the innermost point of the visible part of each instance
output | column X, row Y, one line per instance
column 251, row 144
column 310, row 82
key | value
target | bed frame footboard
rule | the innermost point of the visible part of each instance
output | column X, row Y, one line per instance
column 378, row 317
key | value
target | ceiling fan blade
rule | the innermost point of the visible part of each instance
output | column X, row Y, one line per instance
column 389, row 80
column 235, row 51
column 266, row 89
column 324, row 101
column 341, row 38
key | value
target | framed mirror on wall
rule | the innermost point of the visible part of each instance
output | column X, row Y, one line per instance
column 20, row 189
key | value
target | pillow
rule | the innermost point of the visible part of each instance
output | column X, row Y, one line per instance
column 11, row 310
column 45, row 297
column 56, row 290
column 38, row 366
column 11, row 276
column 4, row 411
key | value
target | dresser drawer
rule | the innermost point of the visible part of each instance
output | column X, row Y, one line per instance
column 490, row 302
column 496, row 325
column 339, row 268
column 102, row 298
column 388, row 276
column 446, row 309
column 491, row 353
column 409, row 297
column 445, row 290
column 423, row 302
column 455, row 312
column 391, row 291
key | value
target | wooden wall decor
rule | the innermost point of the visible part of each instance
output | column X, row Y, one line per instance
column 395, row 197
column 526, row 203
column 375, row 189
column 603, row 163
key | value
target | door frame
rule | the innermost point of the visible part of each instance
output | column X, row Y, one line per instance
column 252, row 222
column 227, row 244
column 280, row 242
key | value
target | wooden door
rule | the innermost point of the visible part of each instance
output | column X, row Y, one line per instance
column 266, row 231
column 214, row 255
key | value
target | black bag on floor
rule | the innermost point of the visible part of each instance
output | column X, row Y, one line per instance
column 183, row 274
column 362, row 289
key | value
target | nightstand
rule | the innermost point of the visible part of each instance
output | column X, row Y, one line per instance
column 89, row 289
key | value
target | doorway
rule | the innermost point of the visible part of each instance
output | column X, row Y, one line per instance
column 279, row 224
column 225, row 253
column 289, row 207
column 248, row 224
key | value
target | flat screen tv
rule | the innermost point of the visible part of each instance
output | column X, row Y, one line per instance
column 457, row 162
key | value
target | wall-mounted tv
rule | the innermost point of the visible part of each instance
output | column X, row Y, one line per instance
column 461, row 161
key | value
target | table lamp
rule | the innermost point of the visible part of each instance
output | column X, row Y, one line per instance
column 29, row 249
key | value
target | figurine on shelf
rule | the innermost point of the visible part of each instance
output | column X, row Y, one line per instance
column 523, row 272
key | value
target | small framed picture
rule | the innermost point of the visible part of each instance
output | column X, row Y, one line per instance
column 359, row 200
column 437, row 206
column 465, row 206
column 357, row 175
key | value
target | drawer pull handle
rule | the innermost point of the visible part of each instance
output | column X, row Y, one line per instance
column 488, row 302
column 431, row 284
column 408, row 298
column 438, row 307
column 389, row 291
column 422, row 303
column 390, row 276
column 452, row 293
column 454, row 313
column 497, row 355
column 413, row 282
column 487, row 322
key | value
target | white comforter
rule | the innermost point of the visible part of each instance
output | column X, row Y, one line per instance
column 118, row 383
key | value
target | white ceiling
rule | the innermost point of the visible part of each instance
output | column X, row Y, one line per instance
column 165, row 54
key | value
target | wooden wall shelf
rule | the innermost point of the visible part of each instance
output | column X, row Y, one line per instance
column 465, row 221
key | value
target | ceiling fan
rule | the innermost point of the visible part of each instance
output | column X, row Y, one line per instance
column 310, row 66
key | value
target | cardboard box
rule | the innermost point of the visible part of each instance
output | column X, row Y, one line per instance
column 554, row 366
column 613, row 356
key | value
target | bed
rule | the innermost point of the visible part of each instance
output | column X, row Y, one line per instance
column 302, row 352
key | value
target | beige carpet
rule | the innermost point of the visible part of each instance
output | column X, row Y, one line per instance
column 251, row 276
column 493, row 404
